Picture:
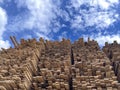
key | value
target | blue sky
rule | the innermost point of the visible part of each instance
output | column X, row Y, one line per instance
column 57, row 19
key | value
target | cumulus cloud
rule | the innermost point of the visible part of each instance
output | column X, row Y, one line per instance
column 98, row 13
column 4, row 44
column 45, row 16
column 107, row 38
column 3, row 22
column 40, row 17
column 101, row 39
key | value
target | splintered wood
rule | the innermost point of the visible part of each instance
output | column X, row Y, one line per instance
column 47, row 65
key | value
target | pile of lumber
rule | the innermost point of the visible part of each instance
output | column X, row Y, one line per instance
column 59, row 65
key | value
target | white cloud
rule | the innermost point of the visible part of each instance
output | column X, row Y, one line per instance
column 101, row 39
column 103, row 4
column 64, row 14
column 41, row 16
column 98, row 13
column 3, row 22
column 99, row 19
column 113, row 1
column 107, row 38
column 4, row 44
column 77, row 22
column 77, row 3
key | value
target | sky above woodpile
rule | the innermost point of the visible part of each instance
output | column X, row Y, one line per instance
column 57, row 19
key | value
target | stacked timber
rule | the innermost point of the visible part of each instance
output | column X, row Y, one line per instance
column 92, row 70
column 54, row 67
column 58, row 65
column 112, row 51
column 19, row 65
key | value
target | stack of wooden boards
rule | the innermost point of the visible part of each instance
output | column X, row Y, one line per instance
column 112, row 51
column 57, row 65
